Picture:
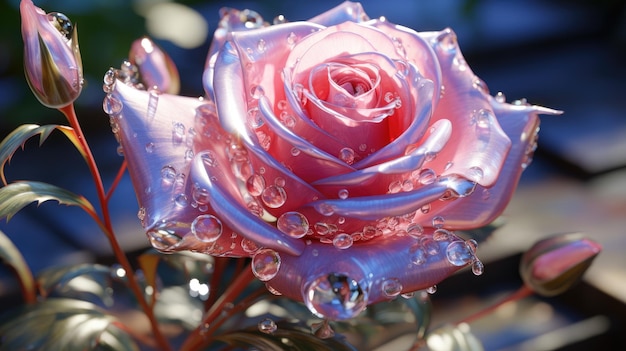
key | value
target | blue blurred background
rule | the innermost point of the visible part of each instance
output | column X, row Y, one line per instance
column 568, row 55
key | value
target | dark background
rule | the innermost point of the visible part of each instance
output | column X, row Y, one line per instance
column 567, row 55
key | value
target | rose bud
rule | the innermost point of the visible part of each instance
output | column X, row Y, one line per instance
column 341, row 154
column 51, row 56
column 156, row 68
column 554, row 264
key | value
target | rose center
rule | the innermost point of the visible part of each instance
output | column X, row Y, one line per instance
column 352, row 86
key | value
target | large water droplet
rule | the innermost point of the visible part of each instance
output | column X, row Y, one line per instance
column 178, row 132
column 168, row 175
column 274, row 196
column 293, row 224
column 392, row 287
column 335, row 296
column 255, row 184
column 343, row 241
column 477, row 267
column 163, row 239
column 265, row 264
column 206, row 228
column 458, row 253
column 61, row 23
column 347, row 155
column 267, row 326
column 415, row 230
column 427, row 176
column 112, row 105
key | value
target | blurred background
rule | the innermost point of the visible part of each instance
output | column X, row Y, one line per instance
column 566, row 54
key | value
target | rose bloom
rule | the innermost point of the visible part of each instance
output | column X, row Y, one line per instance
column 340, row 153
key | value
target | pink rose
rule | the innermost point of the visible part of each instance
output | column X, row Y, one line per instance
column 340, row 153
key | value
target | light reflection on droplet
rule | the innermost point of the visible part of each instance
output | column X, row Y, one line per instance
column 265, row 264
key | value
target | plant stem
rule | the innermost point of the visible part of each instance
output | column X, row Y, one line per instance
column 70, row 114
column 519, row 294
column 117, row 180
column 238, row 285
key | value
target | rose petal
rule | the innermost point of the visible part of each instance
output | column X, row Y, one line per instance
column 346, row 11
column 485, row 204
column 369, row 259
column 480, row 146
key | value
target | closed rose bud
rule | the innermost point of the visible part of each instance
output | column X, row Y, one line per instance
column 156, row 68
column 51, row 56
column 554, row 264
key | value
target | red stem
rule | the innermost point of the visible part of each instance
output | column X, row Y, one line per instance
column 70, row 114
column 195, row 339
column 116, row 181
column 521, row 293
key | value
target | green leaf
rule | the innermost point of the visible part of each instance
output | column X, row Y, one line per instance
column 288, row 336
column 16, row 196
column 63, row 324
column 21, row 134
column 93, row 279
column 12, row 257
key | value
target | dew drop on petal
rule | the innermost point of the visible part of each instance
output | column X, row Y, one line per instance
column 418, row 257
column 181, row 200
column 347, row 155
column 248, row 245
column 267, row 326
column 427, row 176
column 441, row 235
column 415, row 230
column 261, row 46
column 438, row 222
column 343, row 194
column 392, row 287
column 477, row 267
column 162, row 239
column 295, row 151
column 265, row 264
column 206, row 228
column 431, row 290
column 257, row 91
column 430, row 246
column 448, row 165
column 274, row 196
column 150, row 147
column 112, row 105
column 425, row 209
column 458, row 253
column 500, row 97
column 255, row 184
column 291, row 38
column 335, row 296
column 343, row 241
column 168, row 175
column 293, row 224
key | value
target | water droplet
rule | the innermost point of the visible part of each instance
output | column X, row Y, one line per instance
column 291, row 38
column 206, row 228
column 500, row 98
column 343, row 241
column 482, row 118
column 295, row 151
column 447, row 41
column 395, row 187
column 280, row 182
column 321, row 228
column 189, row 155
column 477, row 267
column 438, row 222
column 407, row 185
column 425, row 209
column 448, row 165
column 274, row 196
column 248, row 245
column 178, row 132
column 257, row 91
column 392, row 287
column 150, row 147
column 472, row 245
column 430, row 246
column 343, row 194
column 335, row 296
column 181, row 200
column 431, row 290
column 261, row 46
column 442, row 235
column 415, row 230
column 347, row 155
column 265, row 264
column 408, row 295
column 61, row 23
column 458, row 253
column 168, row 175
column 163, row 239
column 418, row 257
column 323, row 330
column 280, row 19
column 267, row 326
column 480, row 85
column 427, row 176
column 112, row 105
column 255, row 184
column 293, row 224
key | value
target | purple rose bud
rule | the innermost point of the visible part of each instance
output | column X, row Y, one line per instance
column 554, row 264
column 51, row 56
column 156, row 68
